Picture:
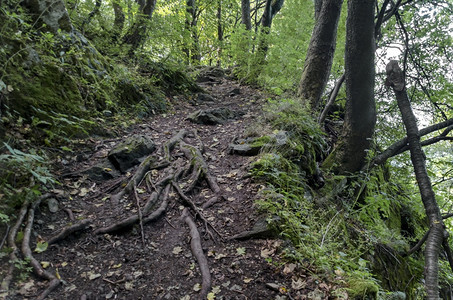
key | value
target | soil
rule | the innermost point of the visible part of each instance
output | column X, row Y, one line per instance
column 155, row 260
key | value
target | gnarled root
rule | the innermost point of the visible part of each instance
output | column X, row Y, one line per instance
column 197, row 251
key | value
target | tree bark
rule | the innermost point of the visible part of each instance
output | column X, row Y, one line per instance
column 395, row 79
column 118, row 23
column 350, row 152
column 137, row 32
column 321, row 50
column 245, row 14
column 192, row 49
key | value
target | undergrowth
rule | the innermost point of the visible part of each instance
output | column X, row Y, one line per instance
column 334, row 230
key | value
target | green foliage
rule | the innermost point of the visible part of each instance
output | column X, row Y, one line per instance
column 59, row 127
column 23, row 267
column 23, row 177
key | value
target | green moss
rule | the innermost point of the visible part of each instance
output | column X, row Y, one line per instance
column 48, row 88
column 261, row 141
column 360, row 288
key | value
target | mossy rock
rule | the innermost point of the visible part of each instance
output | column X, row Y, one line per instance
column 48, row 88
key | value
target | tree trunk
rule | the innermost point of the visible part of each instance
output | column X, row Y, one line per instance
column 118, row 23
column 395, row 79
column 350, row 152
column 320, row 53
column 192, row 49
column 318, row 6
column 137, row 32
column 245, row 14
column 219, row 32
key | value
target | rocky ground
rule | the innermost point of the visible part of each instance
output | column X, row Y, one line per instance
column 170, row 227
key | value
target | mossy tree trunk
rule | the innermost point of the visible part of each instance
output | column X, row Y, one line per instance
column 137, row 33
column 395, row 78
column 318, row 61
column 349, row 155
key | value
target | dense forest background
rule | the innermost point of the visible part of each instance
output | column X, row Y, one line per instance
column 363, row 89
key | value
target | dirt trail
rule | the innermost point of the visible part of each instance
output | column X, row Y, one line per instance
column 155, row 260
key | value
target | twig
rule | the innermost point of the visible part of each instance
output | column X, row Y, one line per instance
column 197, row 251
column 418, row 245
column 70, row 214
column 5, row 237
column 448, row 252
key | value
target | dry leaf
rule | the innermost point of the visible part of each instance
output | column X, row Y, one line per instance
column 197, row 287
column 177, row 250
column 265, row 253
column 289, row 268
column 299, row 284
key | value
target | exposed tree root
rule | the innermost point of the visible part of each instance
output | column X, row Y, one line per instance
column 37, row 268
column 14, row 250
column 143, row 168
column 196, row 158
column 197, row 251
column 65, row 232
column 190, row 204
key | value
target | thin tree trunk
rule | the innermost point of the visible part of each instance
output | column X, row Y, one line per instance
column 192, row 49
column 118, row 23
column 350, row 152
column 138, row 30
column 395, row 78
column 219, row 32
column 245, row 14
column 321, row 50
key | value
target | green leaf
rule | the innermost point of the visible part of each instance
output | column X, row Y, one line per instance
column 41, row 247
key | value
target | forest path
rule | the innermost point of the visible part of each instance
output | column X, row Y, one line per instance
column 159, row 259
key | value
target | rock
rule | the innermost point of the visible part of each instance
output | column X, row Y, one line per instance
column 205, row 98
column 52, row 203
column 253, row 145
column 235, row 91
column 127, row 153
column 392, row 296
column 245, row 149
column 213, row 116
column 107, row 113
column 260, row 230
column 210, row 75
column 104, row 170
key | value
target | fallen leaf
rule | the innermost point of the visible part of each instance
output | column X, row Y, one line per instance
column 64, row 264
column 247, row 280
column 177, row 250
column 45, row 264
column 265, row 253
column 299, row 284
column 231, row 198
column 116, row 266
column 83, row 192
column 93, row 276
column 197, row 287
column 240, row 251
column 129, row 286
column 289, row 268
column 41, row 247
column 220, row 256
column 210, row 296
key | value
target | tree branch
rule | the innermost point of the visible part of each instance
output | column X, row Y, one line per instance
column 396, row 148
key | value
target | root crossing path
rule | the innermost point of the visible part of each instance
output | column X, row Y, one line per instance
column 163, row 229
